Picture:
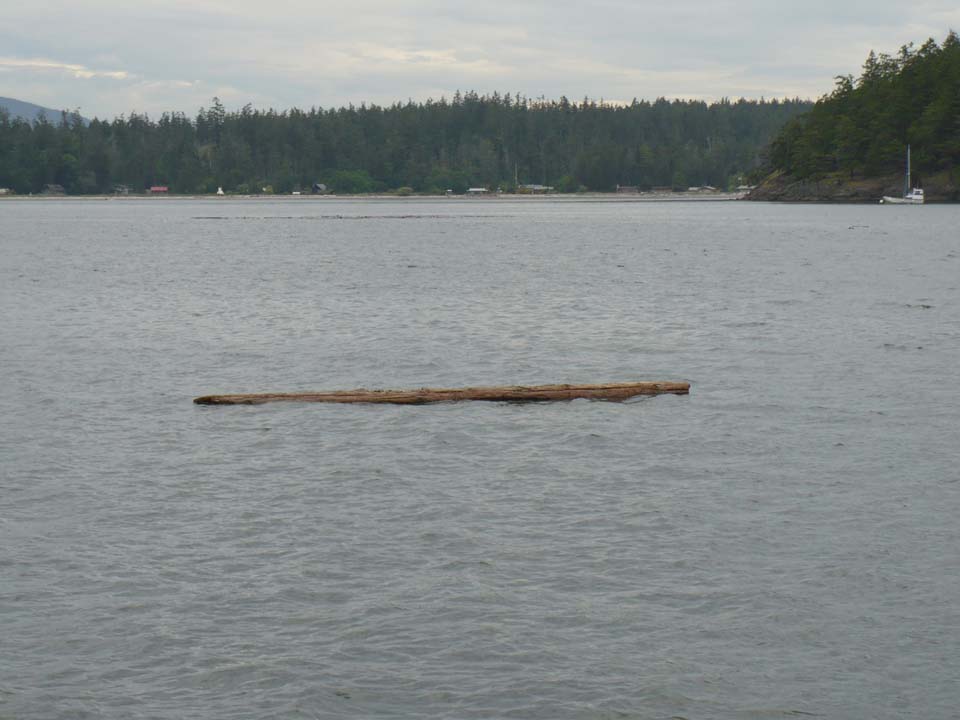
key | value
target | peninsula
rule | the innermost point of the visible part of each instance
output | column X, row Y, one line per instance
column 851, row 146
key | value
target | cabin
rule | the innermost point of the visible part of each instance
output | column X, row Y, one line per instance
column 628, row 190
column 6, row 191
column 159, row 190
column 53, row 189
column 533, row 189
column 478, row 191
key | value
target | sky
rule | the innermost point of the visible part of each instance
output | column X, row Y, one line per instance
column 111, row 57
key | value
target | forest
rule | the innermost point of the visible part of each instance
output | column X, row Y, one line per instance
column 863, row 127
column 469, row 140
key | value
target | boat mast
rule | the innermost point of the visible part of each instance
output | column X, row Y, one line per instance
column 906, row 180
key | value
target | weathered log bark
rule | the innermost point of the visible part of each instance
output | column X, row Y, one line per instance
column 512, row 393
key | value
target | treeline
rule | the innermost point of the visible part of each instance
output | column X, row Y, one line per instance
column 863, row 127
column 471, row 140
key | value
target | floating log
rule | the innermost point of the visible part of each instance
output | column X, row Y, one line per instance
column 510, row 393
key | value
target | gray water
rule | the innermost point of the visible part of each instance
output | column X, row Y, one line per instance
column 783, row 541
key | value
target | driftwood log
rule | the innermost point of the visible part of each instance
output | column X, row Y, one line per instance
column 510, row 393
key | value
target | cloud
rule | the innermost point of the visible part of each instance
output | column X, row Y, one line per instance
column 177, row 54
column 78, row 71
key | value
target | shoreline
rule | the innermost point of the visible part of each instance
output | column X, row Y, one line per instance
column 842, row 190
column 565, row 197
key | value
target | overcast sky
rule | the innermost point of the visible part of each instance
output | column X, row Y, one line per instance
column 112, row 56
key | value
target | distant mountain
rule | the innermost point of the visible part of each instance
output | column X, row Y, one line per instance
column 29, row 111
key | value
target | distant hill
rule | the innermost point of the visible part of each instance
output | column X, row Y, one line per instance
column 30, row 112
column 469, row 141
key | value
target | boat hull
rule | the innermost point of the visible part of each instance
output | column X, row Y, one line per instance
column 887, row 200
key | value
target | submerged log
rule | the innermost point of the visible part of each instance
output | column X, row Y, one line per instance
column 510, row 393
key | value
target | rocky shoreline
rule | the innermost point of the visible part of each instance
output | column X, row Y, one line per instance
column 779, row 187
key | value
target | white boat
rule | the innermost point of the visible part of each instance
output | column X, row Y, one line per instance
column 911, row 196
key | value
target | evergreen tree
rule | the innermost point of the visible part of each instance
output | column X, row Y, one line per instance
column 471, row 140
column 864, row 125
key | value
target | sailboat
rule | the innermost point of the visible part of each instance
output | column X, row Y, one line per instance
column 911, row 196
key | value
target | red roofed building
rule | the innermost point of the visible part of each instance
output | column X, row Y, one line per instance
column 159, row 189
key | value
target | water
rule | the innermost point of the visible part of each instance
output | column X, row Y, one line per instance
column 782, row 541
